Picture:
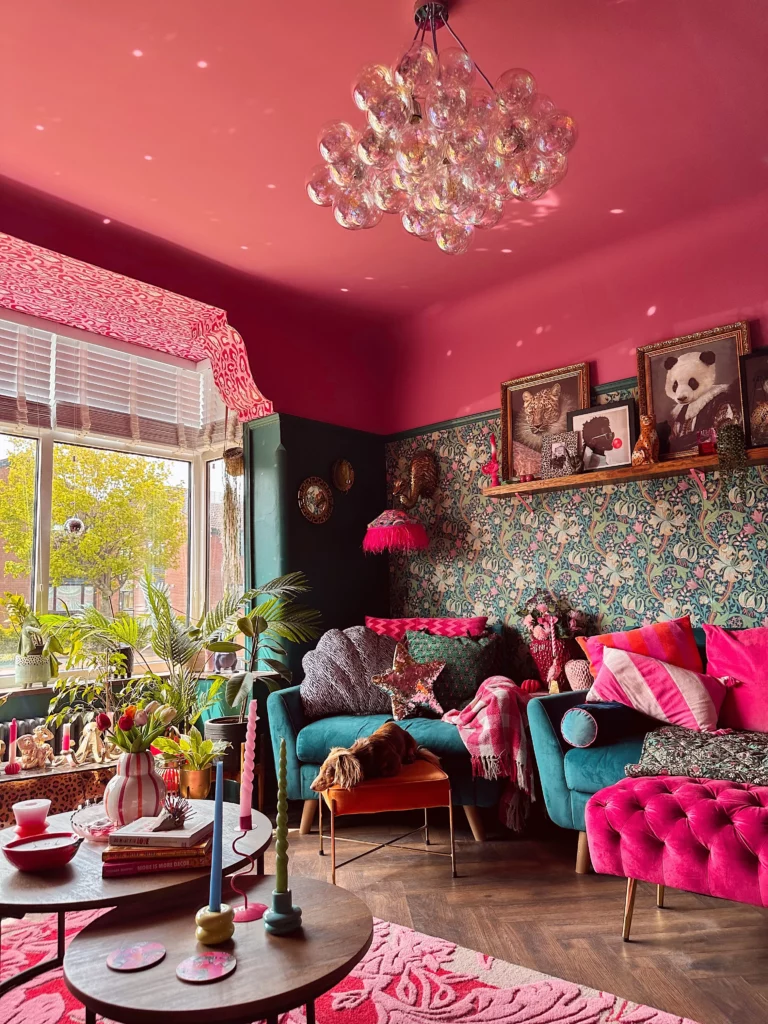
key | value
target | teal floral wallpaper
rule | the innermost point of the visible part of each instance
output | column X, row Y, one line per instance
column 627, row 554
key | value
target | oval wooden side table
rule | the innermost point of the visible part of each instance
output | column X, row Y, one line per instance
column 274, row 973
column 79, row 885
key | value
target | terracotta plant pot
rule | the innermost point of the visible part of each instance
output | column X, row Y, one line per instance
column 194, row 785
column 135, row 790
column 232, row 731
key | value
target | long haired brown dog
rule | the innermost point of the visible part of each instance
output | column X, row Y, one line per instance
column 380, row 755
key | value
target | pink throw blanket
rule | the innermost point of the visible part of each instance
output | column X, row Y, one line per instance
column 493, row 729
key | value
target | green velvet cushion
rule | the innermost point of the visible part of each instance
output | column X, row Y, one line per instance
column 468, row 661
column 592, row 768
column 314, row 742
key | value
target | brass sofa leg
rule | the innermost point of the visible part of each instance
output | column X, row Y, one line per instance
column 660, row 896
column 307, row 817
column 583, row 862
column 629, row 906
column 475, row 822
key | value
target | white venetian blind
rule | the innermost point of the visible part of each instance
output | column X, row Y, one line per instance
column 51, row 380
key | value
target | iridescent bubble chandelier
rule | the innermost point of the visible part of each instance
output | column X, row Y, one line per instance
column 439, row 153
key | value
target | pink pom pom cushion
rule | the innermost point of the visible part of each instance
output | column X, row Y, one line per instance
column 742, row 654
column 665, row 692
column 397, row 628
column 671, row 641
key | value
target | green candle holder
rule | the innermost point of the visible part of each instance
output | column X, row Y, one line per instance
column 282, row 917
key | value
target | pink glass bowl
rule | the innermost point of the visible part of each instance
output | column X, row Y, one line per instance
column 43, row 852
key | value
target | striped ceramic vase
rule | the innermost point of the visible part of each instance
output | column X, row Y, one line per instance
column 135, row 790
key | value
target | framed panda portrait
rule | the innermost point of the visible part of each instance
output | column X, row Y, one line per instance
column 691, row 384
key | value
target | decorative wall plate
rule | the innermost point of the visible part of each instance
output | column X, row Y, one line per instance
column 316, row 500
column 342, row 475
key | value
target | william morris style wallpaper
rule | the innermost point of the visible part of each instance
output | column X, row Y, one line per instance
column 628, row 554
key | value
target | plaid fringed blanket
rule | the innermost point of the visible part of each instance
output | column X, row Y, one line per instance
column 493, row 729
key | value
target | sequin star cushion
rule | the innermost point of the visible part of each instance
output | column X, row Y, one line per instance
column 410, row 684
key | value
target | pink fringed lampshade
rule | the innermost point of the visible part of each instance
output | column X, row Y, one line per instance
column 395, row 530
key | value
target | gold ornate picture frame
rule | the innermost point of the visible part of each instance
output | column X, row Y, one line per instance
column 551, row 395
column 692, row 383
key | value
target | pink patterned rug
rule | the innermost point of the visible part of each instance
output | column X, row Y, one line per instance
column 406, row 978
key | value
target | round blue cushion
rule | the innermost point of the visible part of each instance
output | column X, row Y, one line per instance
column 601, row 723
column 578, row 727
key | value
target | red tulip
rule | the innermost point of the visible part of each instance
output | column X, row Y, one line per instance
column 125, row 722
column 102, row 721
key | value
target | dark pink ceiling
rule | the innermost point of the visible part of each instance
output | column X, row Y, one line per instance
column 671, row 97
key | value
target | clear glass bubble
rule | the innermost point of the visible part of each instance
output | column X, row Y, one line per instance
column 421, row 199
column 348, row 169
column 422, row 225
column 321, row 188
column 483, row 212
column 334, row 139
column 456, row 67
column 558, row 167
column 452, row 190
column 489, row 174
column 452, row 237
column 515, row 89
column 419, row 150
column 557, row 133
column 521, row 181
column 372, row 82
column 542, row 106
column 389, row 112
column 417, row 69
column 374, row 149
column 447, row 107
column 403, row 182
column 356, row 210
column 464, row 144
column 513, row 134
column 388, row 198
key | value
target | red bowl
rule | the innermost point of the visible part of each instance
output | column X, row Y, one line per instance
column 42, row 852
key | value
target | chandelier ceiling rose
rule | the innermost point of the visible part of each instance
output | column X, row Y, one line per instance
column 440, row 150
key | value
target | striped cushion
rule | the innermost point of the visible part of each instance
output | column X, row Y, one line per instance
column 666, row 692
column 397, row 628
column 671, row 641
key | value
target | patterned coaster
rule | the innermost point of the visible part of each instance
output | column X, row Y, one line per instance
column 137, row 957
column 204, row 967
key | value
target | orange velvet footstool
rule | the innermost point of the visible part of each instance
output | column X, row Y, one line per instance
column 419, row 785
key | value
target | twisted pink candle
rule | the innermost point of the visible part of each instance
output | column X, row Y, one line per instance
column 246, row 780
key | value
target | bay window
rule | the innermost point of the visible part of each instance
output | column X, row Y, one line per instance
column 110, row 465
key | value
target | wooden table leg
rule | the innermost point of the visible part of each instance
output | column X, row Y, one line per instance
column 90, row 1016
column 629, row 906
column 311, row 1012
column 46, row 965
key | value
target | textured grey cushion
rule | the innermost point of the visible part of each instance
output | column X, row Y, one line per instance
column 337, row 674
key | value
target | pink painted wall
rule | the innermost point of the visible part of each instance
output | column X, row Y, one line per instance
column 312, row 358
column 690, row 276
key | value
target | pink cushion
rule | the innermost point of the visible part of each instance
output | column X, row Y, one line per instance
column 671, row 641
column 665, row 692
column 742, row 654
column 397, row 628
column 699, row 835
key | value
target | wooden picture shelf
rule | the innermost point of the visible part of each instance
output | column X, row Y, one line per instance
column 600, row 477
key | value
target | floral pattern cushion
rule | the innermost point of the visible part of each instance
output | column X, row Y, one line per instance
column 468, row 661
column 733, row 756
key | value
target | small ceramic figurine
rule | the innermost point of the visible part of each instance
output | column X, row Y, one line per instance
column 491, row 468
column 646, row 449
column 91, row 746
column 33, row 755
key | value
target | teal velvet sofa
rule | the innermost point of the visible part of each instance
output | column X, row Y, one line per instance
column 569, row 775
column 308, row 743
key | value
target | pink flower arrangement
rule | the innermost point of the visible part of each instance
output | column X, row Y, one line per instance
column 137, row 728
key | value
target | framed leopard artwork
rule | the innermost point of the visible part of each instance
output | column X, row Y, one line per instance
column 533, row 407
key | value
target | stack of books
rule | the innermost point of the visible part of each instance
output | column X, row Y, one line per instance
column 140, row 848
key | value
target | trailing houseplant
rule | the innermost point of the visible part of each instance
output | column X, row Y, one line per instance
column 194, row 757
column 275, row 617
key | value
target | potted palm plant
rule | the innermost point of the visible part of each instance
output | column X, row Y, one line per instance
column 275, row 617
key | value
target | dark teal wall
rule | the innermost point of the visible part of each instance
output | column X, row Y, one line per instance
column 281, row 451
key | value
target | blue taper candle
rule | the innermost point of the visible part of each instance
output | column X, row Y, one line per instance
column 214, row 900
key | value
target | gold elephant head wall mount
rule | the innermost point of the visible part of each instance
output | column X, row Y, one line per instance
column 421, row 481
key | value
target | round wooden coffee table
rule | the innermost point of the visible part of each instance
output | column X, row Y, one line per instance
column 79, row 885
column 274, row 974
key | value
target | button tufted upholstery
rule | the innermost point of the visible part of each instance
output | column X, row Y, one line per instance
column 698, row 835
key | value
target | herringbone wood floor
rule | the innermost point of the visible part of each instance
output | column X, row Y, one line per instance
column 521, row 901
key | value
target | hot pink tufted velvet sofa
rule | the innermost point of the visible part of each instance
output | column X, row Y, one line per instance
column 698, row 835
